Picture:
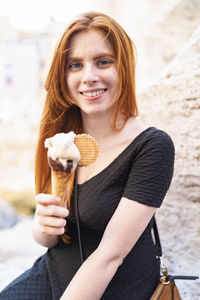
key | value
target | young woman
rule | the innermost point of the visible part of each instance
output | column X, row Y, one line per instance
column 91, row 89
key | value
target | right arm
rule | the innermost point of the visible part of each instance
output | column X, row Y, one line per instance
column 49, row 220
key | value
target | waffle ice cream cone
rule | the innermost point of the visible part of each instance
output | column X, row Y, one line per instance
column 88, row 148
column 60, row 182
column 65, row 152
column 63, row 158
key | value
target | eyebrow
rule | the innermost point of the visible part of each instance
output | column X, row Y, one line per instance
column 100, row 55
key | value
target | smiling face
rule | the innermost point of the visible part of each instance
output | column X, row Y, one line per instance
column 91, row 73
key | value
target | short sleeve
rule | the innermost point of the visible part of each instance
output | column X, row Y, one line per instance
column 152, row 170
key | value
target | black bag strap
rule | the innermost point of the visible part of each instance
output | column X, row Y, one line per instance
column 159, row 256
column 157, row 239
column 82, row 255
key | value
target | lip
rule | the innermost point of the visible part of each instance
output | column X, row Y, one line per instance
column 93, row 94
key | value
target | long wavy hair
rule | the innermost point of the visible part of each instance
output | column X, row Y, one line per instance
column 60, row 113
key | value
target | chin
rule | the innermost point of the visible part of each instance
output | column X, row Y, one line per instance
column 95, row 111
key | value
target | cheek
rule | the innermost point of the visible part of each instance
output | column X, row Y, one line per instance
column 115, row 80
column 70, row 84
column 113, row 75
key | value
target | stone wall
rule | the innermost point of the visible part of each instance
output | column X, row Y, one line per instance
column 173, row 104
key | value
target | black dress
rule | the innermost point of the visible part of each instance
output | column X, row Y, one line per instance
column 142, row 172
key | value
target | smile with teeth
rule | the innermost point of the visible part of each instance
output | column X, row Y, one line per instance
column 93, row 94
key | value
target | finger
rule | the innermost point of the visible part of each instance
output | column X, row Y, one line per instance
column 46, row 199
column 52, row 210
column 52, row 222
column 52, row 230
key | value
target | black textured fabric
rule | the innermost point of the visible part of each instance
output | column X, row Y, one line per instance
column 142, row 172
column 31, row 285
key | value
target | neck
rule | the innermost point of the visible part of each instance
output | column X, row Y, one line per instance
column 99, row 127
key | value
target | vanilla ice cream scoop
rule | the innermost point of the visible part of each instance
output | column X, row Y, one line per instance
column 63, row 154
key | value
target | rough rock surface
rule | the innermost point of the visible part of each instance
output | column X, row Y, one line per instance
column 168, row 27
column 173, row 104
column 179, row 229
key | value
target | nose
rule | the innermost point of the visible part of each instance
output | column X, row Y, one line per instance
column 90, row 74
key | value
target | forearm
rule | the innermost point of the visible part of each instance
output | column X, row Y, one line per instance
column 42, row 238
column 92, row 278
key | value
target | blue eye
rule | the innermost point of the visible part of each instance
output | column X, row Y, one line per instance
column 103, row 62
column 74, row 66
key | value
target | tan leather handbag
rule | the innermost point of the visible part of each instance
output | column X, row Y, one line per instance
column 166, row 289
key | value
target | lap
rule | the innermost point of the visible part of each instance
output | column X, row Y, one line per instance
column 31, row 285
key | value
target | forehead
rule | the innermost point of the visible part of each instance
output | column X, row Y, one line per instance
column 89, row 41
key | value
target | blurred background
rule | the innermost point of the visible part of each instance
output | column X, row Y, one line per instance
column 167, row 37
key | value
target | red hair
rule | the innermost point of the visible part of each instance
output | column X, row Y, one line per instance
column 60, row 114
